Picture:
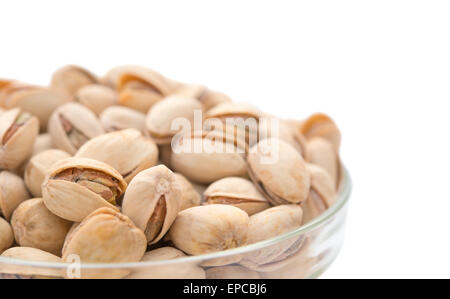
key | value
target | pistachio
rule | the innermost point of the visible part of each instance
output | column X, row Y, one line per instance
column 323, row 154
column 279, row 171
column 208, row 98
column 75, row 187
column 6, row 235
column 152, row 201
column 12, row 193
column 35, row 226
column 37, row 169
column 72, row 125
column 189, row 196
column 234, row 110
column 43, row 142
column 105, row 236
column 321, row 125
column 18, row 131
column 238, row 192
column 71, row 78
column 96, row 97
column 117, row 118
column 187, row 270
column 231, row 272
column 127, row 151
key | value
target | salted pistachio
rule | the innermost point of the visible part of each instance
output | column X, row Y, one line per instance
column 322, row 194
column 105, row 236
column 238, row 192
column 207, row 97
column 210, row 228
column 189, row 196
column 161, row 115
column 112, row 77
column 233, row 110
column 72, row 125
column 35, row 226
column 152, row 201
column 33, row 255
column 279, row 171
column 117, row 118
column 186, row 270
column 231, row 272
column 268, row 224
column 18, row 131
column 96, row 97
column 37, row 169
column 75, row 187
column 127, row 151
column 6, row 235
column 321, row 125
column 71, row 78
column 12, row 193
column 218, row 157
column 42, row 143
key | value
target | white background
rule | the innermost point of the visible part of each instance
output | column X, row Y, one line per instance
column 380, row 68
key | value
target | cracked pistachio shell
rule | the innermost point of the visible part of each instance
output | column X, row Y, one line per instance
column 43, row 142
column 112, row 77
column 279, row 171
column 321, row 196
column 75, row 187
column 96, row 97
column 238, row 192
column 189, row 195
column 127, row 151
column 37, row 169
column 34, row 255
column 216, row 159
column 161, row 116
column 12, row 193
column 152, row 201
column 72, row 125
column 207, row 97
column 6, row 235
column 321, row 125
column 18, row 131
column 187, row 270
column 117, row 118
column 268, row 224
column 105, row 236
column 231, row 272
column 35, row 226
column 233, row 110
column 71, row 78
column 210, row 228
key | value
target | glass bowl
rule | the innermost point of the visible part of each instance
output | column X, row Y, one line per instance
column 303, row 253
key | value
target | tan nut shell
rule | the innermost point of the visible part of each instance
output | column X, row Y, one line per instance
column 37, row 169
column 43, row 142
column 72, row 201
column 12, row 193
column 116, row 118
column 321, row 125
column 189, row 196
column 35, row 226
column 231, row 272
column 96, row 97
column 143, row 194
column 70, row 78
column 234, row 109
column 322, row 153
column 177, row 271
column 20, row 146
column 127, row 151
column 81, row 117
column 207, row 97
column 6, row 235
column 105, row 236
column 238, row 192
column 283, row 177
column 112, row 77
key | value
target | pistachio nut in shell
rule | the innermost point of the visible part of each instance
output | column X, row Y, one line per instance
column 231, row 272
column 112, row 77
column 152, row 201
column 207, row 97
column 33, row 255
column 70, row 78
column 117, row 118
column 75, row 187
column 162, row 115
column 43, row 142
column 321, row 125
column 127, row 151
column 18, row 131
column 96, row 97
column 12, row 193
column 72, row 125
column 233, row 110
column 279, row 171
column 37, row 169
column 105, row 236
column 238, row 192
column 186, row 270
column 189, row 195
column 35, row 226
column 322, row 153
column 6, row 235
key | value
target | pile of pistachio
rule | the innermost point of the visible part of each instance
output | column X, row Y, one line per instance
column 88, row 170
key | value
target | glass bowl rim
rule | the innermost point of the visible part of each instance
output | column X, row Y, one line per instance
column 343, row 197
